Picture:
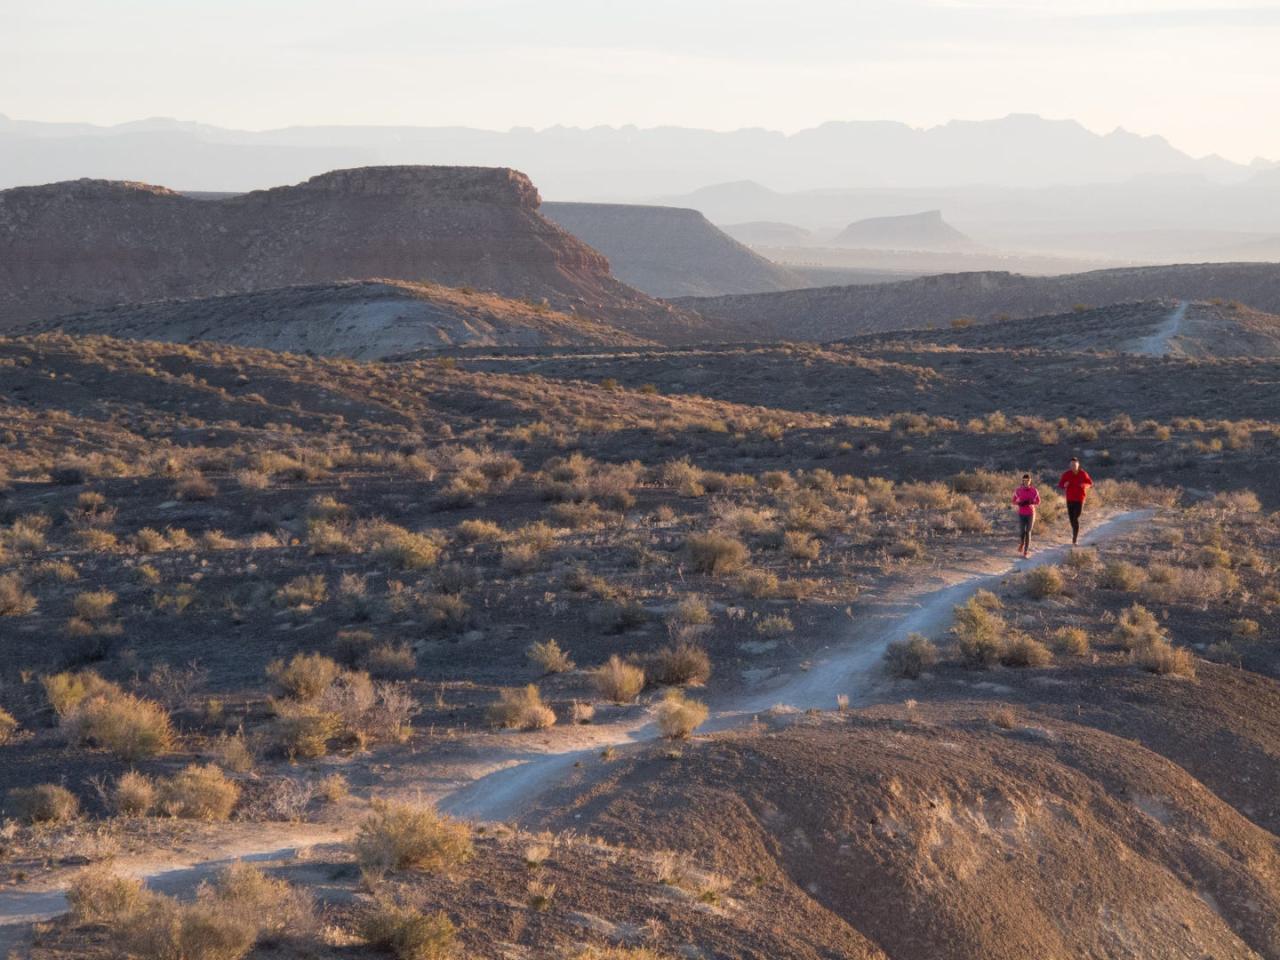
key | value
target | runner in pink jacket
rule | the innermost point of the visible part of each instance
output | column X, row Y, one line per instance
column 1026, row 498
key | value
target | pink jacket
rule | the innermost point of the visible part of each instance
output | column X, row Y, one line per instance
column 1026, row 499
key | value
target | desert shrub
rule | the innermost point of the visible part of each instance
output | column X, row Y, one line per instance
column 1161, row 657
column 1121, row 575
column 134, row 795
column 278, row 910
column 234, row 752
column 1023, row 651
column 775, row 625
column 479, row 531
column 305, row 676
column 617, row 680
column 1072, row 640
column 199, row 793
column 303, row 731
column 910, row 657
column 163, row 929
column 979, row 632
column 906, row 548
column 522, row 709
column 43, row 803
column 682, row 663
column 66, row 691
column 617, row 616
column 980, row 481
column 691, row 611
column 388, row 660
column 94, row 605
column 398, row 836
column 216, row 540
column 8, row 726
column 193, row 487
column 716, row 553
column 760, row 584
column 408, row 934
column 547, row 656
column 408, row 551
column 150, row 540
column 15, row 600
column 678, row 716
column 801, row 546
column 969, row 519
column 577, row 516
column 304, row 591
column 1044, row 582
column 98, row 895
column 326, row 539
column 1137, row 626
column 521, row 557
column 126, row 725
column 1241, row 628
column 27, row 533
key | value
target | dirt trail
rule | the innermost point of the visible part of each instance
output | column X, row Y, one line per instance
column 500, row 788
column 1160, row 343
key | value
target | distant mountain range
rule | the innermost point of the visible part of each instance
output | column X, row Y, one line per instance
column 914, row 231
column 611, row 163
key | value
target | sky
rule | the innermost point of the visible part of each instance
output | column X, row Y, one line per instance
column 1203, row 74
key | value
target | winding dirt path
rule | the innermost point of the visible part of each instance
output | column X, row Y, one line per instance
column 502, row 787
column 1160, row 343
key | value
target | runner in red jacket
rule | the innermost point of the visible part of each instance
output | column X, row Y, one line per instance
column 1075, row 484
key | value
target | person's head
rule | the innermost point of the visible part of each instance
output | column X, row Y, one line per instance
column 1026, row 479
column 1075, row 464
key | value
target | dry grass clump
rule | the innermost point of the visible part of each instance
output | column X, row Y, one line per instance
column 27, row 534
column 775, row 625
column 979, row 631
column 126, row 725
column 479, row 531
column 1023, row 651
column 521, row 558
column 1137, row 626
column 1045, row 581
column 682, row 663
column 94, row 605
column 1071, row 640
column 99, row 895
column 405, row 550
column 522, row 709
column 198, row 792
column 398, row 835
column 279, row 910
column 678, row 716
column 1161, row 657
column 134, row 795
column 760, row 584
column 800, row 546
column 8, row 726
column 304, row 591
column 194, row 487
column 716, row 553
column 43, row 803
column 617, row 680
column 409, row 934
column 910, row 657
column 66, row 691
column 1121, row 575
column 547, row 656
column 1242, row 628
column 691, row 611
column 305, row 676
column 15, row 600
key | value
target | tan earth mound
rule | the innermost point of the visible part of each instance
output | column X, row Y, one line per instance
column 363, row 319
column 669, row 251
column 949, row 836
column 84, row 244
column 830, row 313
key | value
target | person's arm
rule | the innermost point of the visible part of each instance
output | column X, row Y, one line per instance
column 1035, row 499
column 1088, row 480
column 1062, row 482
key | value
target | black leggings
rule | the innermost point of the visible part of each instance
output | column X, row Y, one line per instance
column 1073, row 514
column 1025, row 523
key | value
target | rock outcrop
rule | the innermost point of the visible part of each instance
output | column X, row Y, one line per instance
column 86, row 244
column 670, row 251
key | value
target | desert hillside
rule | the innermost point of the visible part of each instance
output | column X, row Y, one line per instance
column 84, row 244
column 916, row 231
column 363, row 319
column 670, row 252
column 830, row 313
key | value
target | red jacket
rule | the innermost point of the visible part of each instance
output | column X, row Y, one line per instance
column 1075, row 486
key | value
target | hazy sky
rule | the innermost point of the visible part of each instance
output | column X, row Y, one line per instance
column 1204, row 74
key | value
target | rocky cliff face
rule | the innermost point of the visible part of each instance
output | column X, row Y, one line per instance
column 670, row 251
column 79, row 245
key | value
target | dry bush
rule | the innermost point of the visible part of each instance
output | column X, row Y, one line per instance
column 8, row 726
column 521, row 709
column 150, row 540
column 1137, row 626
column 716, row 553
column 278, row 910
column 303, row 591
column 163, row 929
column 387, row 660
column 216, row 540
column 980, row 481
column 691, row 611
column 1162, row 657
column 57, row 570
column 194, row 487
column 43, row 803
column 234, row 752
column 682, row 663
column 305, row 676
column 577, row 516
column 134, row 795
column 99, row 895
column 1071, row 640
column 1121, row 575
column 27, row 534
column 801, row 546
column 1242, row 628
column 408, row 934
column 547, row 656
column 405, row 550
column 910, row 657
column 979, row 632
column 95, row 605
column 1045, row 581
column 617, row 680
column 199, row 793
column 479, row 531
column 678, row 716
column 760, row 584
column 775, row 625
column 398, row 836
column 1168, row 583
column 302, row 731
column 15, row 600
column 126, row 725
column 1023, row 651
column 66, row 691
column 521, row 558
